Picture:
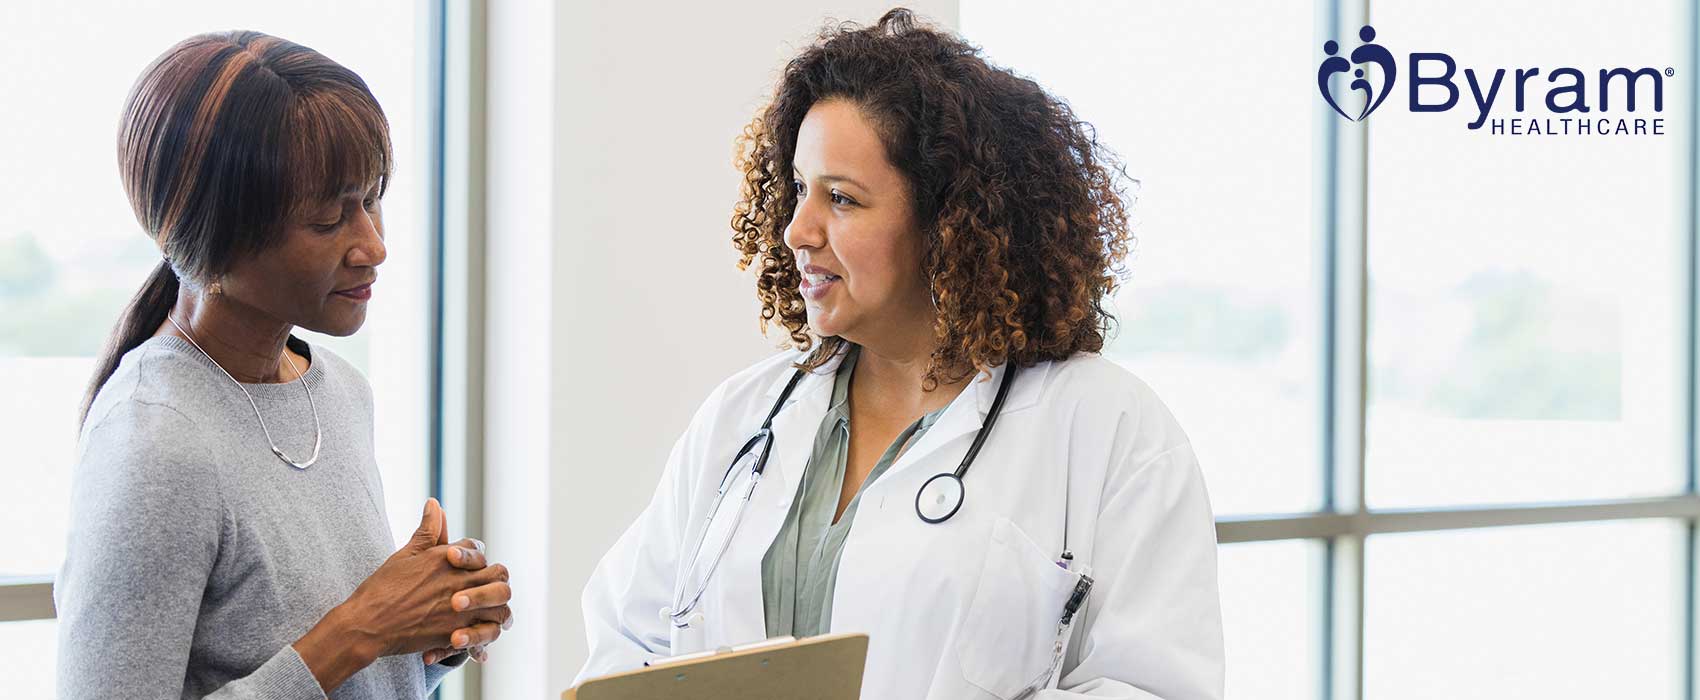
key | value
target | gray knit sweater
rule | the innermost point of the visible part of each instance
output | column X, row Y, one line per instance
column 196, row 557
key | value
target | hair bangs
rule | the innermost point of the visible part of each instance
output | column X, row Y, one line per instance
column 338, row 144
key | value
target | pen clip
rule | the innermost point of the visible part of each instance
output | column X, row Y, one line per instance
column 1082, row 588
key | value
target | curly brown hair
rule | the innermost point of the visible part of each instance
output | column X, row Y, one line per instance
column 1021, row 209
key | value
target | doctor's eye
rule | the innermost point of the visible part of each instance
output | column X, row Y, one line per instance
column 798, row 189
column 840, row 199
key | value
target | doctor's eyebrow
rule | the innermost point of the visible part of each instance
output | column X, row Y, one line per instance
column 829, row 178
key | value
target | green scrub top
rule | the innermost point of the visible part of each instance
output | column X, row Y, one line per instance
column 800, row 569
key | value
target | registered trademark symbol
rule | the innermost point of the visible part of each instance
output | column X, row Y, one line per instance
column 1670, row 72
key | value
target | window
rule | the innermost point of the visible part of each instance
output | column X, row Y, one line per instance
column 1220, row 314
column 1591, row 610
column 1273, row 591
column 1526, row 334
column 71, row 253
column 1441, row 381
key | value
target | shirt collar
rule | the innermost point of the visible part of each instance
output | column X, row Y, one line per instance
column 840, row 402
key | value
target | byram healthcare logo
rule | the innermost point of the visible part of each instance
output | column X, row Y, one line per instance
column 1367, row 53
column 1566, row 92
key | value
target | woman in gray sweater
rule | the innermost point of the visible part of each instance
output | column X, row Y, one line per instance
column 228, row 537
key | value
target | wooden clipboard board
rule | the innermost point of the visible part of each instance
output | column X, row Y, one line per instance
column 827, row 667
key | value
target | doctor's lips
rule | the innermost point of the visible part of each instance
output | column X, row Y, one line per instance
column 360, row 292
column 816, row 282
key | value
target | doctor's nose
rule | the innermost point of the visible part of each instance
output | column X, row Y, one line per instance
column 805, row 229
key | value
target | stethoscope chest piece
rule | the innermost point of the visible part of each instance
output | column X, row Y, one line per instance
column 939, row 498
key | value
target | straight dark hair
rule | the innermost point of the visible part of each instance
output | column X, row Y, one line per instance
column 225, row 137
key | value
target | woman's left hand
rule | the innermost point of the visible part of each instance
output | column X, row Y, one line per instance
column 468, row 554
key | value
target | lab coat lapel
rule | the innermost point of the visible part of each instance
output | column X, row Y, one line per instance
column 795, row 427
column 967, row 412
column 794, row 432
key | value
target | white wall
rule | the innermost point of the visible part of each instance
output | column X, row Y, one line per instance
column 615, row 303
column 520, row 233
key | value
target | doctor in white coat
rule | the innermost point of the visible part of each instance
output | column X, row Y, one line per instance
column 923, row 225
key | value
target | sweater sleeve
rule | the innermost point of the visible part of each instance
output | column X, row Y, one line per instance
column 146, row 522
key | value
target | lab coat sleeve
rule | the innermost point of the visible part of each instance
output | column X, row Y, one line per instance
column 634, row 581
column 1154, row 623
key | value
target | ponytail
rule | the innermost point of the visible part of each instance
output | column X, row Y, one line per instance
column 138, row 323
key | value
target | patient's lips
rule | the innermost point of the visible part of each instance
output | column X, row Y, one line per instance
column 360, row 292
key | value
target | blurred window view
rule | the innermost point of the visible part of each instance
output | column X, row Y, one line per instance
column 1221, row 313
column 1526, row 309
column 1524, row 344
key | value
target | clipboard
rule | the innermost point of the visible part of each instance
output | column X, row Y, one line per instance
column 828, row 667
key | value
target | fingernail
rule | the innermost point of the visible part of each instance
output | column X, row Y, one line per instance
column 460, row 641
column 461, row 602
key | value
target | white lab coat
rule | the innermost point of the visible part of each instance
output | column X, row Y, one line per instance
column 967, row 608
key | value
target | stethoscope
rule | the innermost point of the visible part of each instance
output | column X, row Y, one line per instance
column 938, row 499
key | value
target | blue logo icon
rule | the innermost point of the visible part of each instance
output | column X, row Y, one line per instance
column 1368, row 53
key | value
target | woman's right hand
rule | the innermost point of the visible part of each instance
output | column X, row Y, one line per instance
column 402, row 608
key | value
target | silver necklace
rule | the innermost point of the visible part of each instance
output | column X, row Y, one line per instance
column 318, row 433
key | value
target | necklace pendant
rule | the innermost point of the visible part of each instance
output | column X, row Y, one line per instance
column 298, row 465
column 318, row 429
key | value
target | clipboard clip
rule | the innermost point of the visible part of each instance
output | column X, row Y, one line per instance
column 769, row 642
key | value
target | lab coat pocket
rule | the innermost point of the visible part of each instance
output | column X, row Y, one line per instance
column 1007, row 640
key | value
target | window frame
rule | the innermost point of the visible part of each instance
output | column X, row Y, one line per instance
column 1345, row 522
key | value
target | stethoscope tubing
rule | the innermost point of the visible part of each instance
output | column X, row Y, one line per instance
column 682, row 610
